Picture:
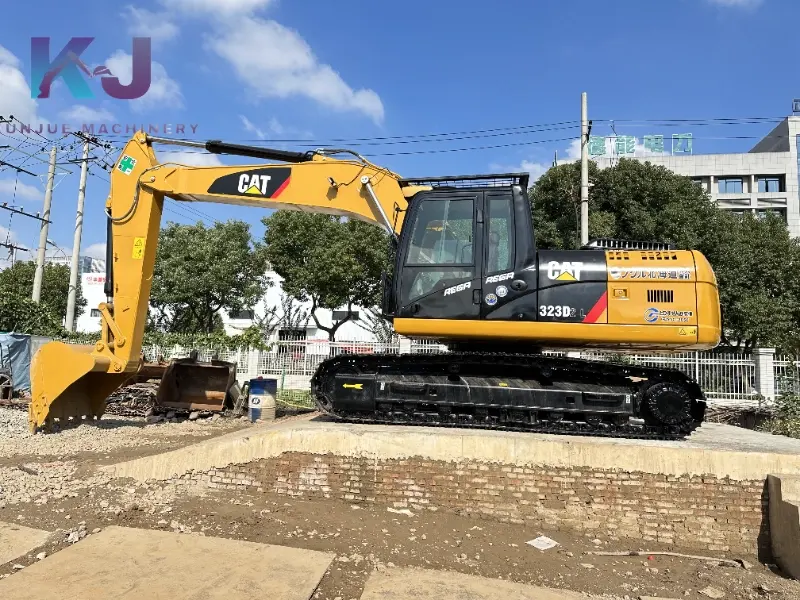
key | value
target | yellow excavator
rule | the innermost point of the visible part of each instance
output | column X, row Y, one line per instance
column 467, row 273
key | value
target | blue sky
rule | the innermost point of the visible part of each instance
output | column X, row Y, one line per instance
column 272, row 69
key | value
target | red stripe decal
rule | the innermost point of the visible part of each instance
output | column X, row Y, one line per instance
column 597, row 309
column 280, row 189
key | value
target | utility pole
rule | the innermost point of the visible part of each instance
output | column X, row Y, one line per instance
column 48, row 198
column 584, row 170
column 76, row 243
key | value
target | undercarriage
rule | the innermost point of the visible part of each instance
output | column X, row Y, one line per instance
column 509, row 391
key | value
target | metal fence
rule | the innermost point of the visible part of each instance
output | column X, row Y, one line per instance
column 727, row 379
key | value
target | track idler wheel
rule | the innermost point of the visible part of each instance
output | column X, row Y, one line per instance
column 668, row 403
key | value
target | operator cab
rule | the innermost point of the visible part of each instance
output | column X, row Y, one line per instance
column 464, row 232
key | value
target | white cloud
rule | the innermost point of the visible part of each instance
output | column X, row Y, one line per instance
column 248, row 126
column 192, row 159
column 276, row 62
column 80, row 113
column 737, row 3
column 574, row 150
column 144, row 23
column 276, row 127
column 216, row 7
column 163, row 93
column 23, row 191
column 96, row 250
column 15, row 98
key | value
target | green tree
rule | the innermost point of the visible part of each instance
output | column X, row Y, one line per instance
column 332, row 262
column 20, row 314
column 18, row 280
column 200, row 271
column 634, row 200
column 756, row 263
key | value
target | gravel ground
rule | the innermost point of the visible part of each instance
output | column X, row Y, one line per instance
column 51, row 482
column 108, row 434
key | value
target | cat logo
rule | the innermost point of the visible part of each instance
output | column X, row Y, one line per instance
column 353, row 386
column 564, row 271
column 253, row 184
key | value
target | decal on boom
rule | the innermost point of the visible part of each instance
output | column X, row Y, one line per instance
column 264, row 183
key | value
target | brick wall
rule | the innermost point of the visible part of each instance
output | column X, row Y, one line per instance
column 709, row 513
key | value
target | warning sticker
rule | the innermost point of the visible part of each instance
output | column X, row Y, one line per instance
column 138, row 248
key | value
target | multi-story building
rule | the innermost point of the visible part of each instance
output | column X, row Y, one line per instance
column 86, row 264
column 763, row 179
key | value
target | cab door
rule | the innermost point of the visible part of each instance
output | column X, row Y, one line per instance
column 440, row 256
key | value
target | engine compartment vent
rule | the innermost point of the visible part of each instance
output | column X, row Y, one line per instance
column 614, row 244
column 660, row 296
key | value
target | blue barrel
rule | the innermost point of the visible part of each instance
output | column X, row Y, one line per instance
column 259, row 390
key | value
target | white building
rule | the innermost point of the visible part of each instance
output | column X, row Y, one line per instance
column 86, row 264
column 92, row 285
column 275, row 301
column 763, row 179
column 298, row 328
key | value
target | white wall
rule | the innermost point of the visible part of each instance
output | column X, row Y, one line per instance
column 92, row 288
column 349, row 331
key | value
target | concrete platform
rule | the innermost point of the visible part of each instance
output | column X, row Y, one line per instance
column 784, row 522
column 16, row 540
column 122, row 563
column 720, row 450
column 401, row 584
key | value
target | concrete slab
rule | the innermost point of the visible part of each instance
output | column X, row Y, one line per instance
column 123, row 563
column 714, row 449
column 401, row 584
column 16, row 540
column 784, row 522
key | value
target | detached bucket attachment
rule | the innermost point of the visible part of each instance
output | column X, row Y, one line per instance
column 190, row 385
column 69, row 383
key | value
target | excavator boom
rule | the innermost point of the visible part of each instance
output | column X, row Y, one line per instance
column 72, row 381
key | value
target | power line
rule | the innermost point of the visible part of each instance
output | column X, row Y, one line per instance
column 182, row 205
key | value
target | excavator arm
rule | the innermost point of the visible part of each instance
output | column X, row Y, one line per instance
column 72, row 381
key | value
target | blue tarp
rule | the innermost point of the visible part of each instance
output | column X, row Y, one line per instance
column 15, row 352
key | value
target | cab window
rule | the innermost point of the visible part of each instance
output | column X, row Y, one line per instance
column 499, row 243
column 443, row 233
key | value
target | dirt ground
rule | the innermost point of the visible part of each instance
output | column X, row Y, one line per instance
column 77, row 501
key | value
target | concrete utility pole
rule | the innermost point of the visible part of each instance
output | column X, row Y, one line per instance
column 76, row 243
column 584, row 170
column 48, row 198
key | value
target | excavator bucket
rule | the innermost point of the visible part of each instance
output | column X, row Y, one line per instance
column 69, row 383
column 191, row 385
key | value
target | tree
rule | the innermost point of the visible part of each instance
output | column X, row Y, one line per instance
column 200, row 271
column 20, row 314
column 372, row 322
column 632, row 200
column 756, row 264
column 289, row 314
column 330, row 261
column 18, row 281
column 752, row 258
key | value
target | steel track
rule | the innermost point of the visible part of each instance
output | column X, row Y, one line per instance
column 570, row 369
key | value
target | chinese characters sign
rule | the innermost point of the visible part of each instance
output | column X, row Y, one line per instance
column 647, row 273
column 626, row 145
